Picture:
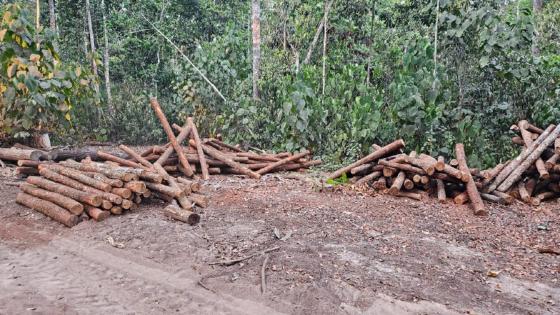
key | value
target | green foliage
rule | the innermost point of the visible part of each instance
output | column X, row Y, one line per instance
column 37, row 91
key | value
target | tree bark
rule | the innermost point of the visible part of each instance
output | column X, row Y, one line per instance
column 224, row 158
column 397, row 184
column 87, row 198
column 68, row 203
column 47, row 208
column 106, row 62
column 256, row 32
column 274, row 165
column 527, row 138
column 52, row 15
column 325, row 30
column 366, row 179
column 198, row 143
column 79, row 176
column 441, row 190
column 182, row 215
column 91, row 39
column 534, row 154
column 394, row 146
column 167, row 128
column 136, row 156
column 14, row 154
column 97, row 214
column 183, row 134
column 537, row 10
column 472, row 190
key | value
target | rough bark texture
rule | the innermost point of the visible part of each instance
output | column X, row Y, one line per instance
column 392, row 147
column 442, row 197
column 14, row 154
column 77, row 175
column 140, row 159
column 109, row 157
column 167, row 128
column 199, row 199
column 47, row 208
column 366, row 179
column 183, row 134
column 528, row 140
column 397, row 184
column 87, row 198
column 472, row 190
column 200, row 151
column 182, row 215
column 97, row 214
column 256, row 32
column 274, row 165
column 67, row 203
column 224, row 158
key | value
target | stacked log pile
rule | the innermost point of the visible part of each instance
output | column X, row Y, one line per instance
column 70, row 191
column 532, row 177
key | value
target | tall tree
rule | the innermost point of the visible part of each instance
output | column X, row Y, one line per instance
column 37, row 14
column 256, row 31
column 106, row 60
column 91, row 38
column 52, row 15
column 537, row 10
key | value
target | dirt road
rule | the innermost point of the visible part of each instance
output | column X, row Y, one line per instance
column 339, row 253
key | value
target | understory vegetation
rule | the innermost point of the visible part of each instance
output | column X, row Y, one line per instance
column 434, row 72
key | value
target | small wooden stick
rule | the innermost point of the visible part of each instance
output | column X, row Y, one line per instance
column 263, row 274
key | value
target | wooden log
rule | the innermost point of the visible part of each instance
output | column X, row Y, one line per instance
column 424, row 180
column 116, row 210
column 380, row 184
column 551, row 162
column 67, row 203
column 453, row 163
column 163, row 197
column 167, row 128
column 531, row 186
column 236, row 166
column 362, row 168
column 195, row 186
column 491, row 174
column 80, row 154
column 137, row 199
column 199, row 199
column 30, row 163
column 106, row 204
column 109, row 157
column 461, row 198
column 15, row 154
column 198, row 143
column 527, row 138
column 397, row 183
column 183, row 134
column 516, row 163
column 225, row 145
column 546, row 195
column 47, row 208
column 23, row 170
column 170, row 191
column 506, row 198
column 214, row 171
column 389, row 171
column 277, row 164
column 148, row 151
column 408, row 184
column 136, row 186
column 78, row 176
column 425, row 162
column 526, row 196
column 258, row 157
column 557, row 146
column 182, row 215
column 416, row 178
column 111, row 172
column 126, row 204
column 403, row 167
column 47, row 173
column 102, row 178
column 492, row 198
column 532, row 156
column 97, row 214
column 87, row 198
column 366, row 179
column 384, row 151
column 140, row 159
column 440, row 164
column 472, row 190
column 123, row 192
column 408, row 194
column 442, row 197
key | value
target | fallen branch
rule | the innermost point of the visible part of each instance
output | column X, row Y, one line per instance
column 235, row 261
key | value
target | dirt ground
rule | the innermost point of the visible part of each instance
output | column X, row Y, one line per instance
column 339, row 252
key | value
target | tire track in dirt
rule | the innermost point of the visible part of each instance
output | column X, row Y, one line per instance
column 102, row 280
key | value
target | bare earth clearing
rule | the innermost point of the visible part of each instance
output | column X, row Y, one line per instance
column 347, row 254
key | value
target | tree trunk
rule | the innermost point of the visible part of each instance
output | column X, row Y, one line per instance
column 537, row 10
column 68, row 203
column 37, row 14
column 47, row 208
column 91, row 41
column 14, row 154
column 106, row 61
column 182, row 215
column 256, row 31
column 325, row 30
column 87, row 198
column 52, row 15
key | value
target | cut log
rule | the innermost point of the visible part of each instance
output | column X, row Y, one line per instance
column 88, row 198
column 225, row 145
column 183, row 134
column 136, row 186
column 123, row 192
column 198, row 143
column 47, row 208
column 507, row 198
column 67, row 203
column 425, row 162
column 411, row 195
column 167, row 128
column 236, row 166
column 493, row 198
column 30, row 163
column 551, row 162
column 274, row 165
column 397, row 183
column 389, row 171
column 557, row 146
column 140, row 159
column 461, row 198
column 199, row 199
column 106, row 204
column 97, row 214
column 532, row 156
column 453, row 163
column 14, row 154
column 78, row 176
column 109, row 157
column 195, row 186
column 214, row 171
column 116, row 210
column 182, row 215
column 472, row 190
column 442, row 197
column 380, row 184
column 102, row 178
column 366, row 179
column 403, row 167
column 382, row 152
column 527, row 138
column 362, row 168
column 515, row 163
column 408, row 184
column 440, row 164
